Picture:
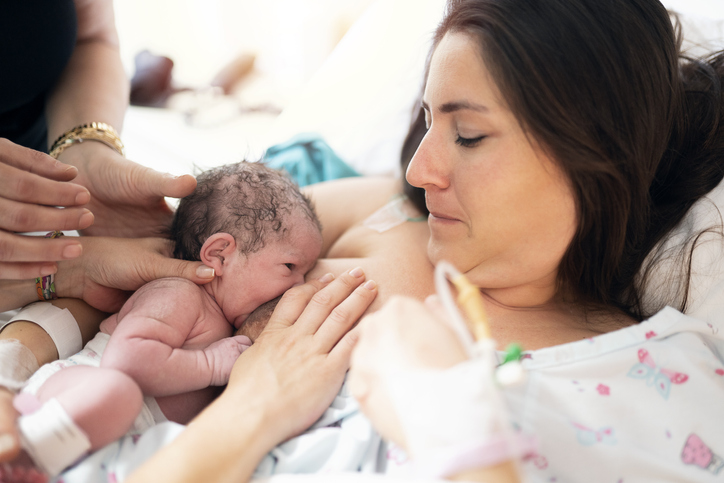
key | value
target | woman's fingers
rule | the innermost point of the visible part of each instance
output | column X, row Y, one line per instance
column 328, row 300
column 24, row 217
column 342, row 318
column 294, row 301
column 26, row 270
column 24, row 257
column 32, row 185
column 26, row 187
column 32, row 161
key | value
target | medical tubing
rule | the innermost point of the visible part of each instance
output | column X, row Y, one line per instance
column 455, row 319
column 471, row 300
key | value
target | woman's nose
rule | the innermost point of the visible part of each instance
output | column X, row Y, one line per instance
column 427, row 167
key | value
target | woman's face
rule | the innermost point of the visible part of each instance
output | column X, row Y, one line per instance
column 500, row 209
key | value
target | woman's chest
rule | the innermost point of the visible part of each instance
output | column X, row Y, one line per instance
column 396, row 259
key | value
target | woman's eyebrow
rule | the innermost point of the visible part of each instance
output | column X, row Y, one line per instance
column 457, row 106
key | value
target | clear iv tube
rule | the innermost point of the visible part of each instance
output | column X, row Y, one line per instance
column 478, row 345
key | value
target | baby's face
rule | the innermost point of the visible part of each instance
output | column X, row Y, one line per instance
column 262, row 276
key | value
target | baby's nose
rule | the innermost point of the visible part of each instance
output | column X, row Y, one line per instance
column 298, row 279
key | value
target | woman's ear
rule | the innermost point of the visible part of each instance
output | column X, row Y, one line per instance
column 218, row 248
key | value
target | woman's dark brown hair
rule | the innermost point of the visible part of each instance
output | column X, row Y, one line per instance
column 637, row 128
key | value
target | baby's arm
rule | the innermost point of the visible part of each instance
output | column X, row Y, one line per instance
column 148, row 342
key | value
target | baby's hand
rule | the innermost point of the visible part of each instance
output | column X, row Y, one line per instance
column 221, row 356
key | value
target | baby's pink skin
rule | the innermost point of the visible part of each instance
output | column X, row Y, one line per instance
column 173, row 339
column 243, row 283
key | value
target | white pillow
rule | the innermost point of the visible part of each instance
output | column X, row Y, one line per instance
column 361, row 99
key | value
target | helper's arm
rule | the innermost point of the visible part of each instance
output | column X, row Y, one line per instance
column 147, row 343
column 126, row 198
column 94, row 86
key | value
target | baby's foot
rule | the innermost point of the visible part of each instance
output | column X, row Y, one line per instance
column 22, row 470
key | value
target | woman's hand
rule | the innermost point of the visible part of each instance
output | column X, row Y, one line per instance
column 298, row 363
column 32, row 187
column 408, row 359
column 278, row 387
column 405, row 335
column 127, row 199
column 111, row 268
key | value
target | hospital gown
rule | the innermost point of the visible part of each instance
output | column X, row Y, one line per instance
column 641, row 404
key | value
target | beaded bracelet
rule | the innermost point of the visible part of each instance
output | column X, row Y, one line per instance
column 94, row 131
column 45, row 286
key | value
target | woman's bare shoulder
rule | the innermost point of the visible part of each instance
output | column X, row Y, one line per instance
column 351, row 189
column 340, row 204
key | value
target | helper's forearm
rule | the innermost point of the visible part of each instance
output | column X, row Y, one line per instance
column 92, row 88
column 232, row 429
column 37, row 339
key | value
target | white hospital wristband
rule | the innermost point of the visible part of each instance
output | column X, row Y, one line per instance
column 58, row 323
column 51, row 438
column 449, row 461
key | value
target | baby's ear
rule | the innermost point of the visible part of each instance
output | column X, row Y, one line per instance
column 218, row 248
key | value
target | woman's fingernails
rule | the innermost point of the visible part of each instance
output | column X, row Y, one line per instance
column 326, row 278
column 356, row 272
column 46, row 270
column 86, row 219
column 82, row 198
column 205, row 272
column 370, row 285
column 72, row 251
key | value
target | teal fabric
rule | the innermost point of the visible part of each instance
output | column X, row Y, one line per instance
column 308, row 159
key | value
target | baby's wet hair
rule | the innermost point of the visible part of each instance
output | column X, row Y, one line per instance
column 248, row 200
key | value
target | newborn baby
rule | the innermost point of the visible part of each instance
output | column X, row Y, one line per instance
column 163, row 356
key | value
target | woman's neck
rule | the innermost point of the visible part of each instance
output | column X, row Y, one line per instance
column 552, row 322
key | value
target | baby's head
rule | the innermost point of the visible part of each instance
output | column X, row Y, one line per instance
column 254, row 227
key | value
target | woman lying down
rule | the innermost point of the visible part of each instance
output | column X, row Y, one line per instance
column 553, row 163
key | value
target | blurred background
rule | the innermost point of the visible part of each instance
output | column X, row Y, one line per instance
column 276, row 56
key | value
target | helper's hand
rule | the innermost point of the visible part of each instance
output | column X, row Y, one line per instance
column 297, row 365
column 127, row 198
column 32, row 186
column 222, row 355
column 111, row 268
column 404, row 335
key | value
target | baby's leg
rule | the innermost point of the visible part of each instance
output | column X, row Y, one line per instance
column 102, row 402
column 182, row 408
column 96, row 405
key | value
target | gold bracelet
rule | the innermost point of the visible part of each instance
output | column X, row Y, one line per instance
column 94, row 131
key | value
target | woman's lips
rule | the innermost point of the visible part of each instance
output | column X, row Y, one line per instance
column 442, row 217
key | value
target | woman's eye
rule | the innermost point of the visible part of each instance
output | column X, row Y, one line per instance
column 468, row 142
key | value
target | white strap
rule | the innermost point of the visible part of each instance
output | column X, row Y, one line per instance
column 17, row 364
column 58, row 323
column 51, row 438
